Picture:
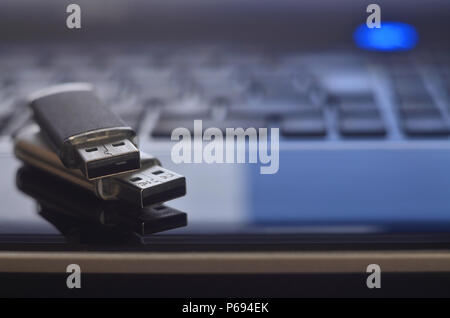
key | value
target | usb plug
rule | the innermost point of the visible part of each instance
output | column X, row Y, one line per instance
column 108, row 159
column 150, row 186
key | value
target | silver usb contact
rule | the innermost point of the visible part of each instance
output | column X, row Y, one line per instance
column 108, row 159
column 150, row 185
column 83, row 132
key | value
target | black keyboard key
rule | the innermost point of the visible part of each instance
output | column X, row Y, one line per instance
column 430, row 126
column 164, row 128
column 418, row 108
column 413, row 99
column 184, row 113
column 446, row 81
column 256, row 89
column 354, row 127
column 303, row 127
column 367, row 109
column 360, row 104
column 363, row 98
column 7, row 82
column 155, row 84
column 403, row 70
column 276, row 91
column 410, row 86
column 4, row 120
column 7, row 110
column 217, row 83
column 274, row 113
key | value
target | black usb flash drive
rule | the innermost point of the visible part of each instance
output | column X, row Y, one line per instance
column 150, row 185
column 84, row 132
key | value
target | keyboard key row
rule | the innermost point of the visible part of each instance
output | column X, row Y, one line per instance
column 235, row 94
column 419, row 115
column 164, row 128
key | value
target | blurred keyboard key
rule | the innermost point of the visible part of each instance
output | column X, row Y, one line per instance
column 431, row 126
column 217, row 83
column 155, row 84
column 276, row 91
column 363, row 98
column 410, row 86
column 354, row 127
column 303, row 127
column 179, row 113
column 274, row 113
column 446, row 81
column 412, row 99
column 368, row 109
column 418, row 108
column 164, row 128
column 4, row 120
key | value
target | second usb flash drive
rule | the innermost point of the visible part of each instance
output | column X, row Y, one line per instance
column 150, row 185
column 83, row 132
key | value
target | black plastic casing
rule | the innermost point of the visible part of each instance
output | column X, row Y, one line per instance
column 77, row 117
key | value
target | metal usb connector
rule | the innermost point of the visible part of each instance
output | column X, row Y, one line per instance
column 108, row 159
column 150, row 185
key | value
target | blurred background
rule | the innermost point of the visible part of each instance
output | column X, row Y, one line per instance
column 289, row 23
column 363, row 113
column 364, row 119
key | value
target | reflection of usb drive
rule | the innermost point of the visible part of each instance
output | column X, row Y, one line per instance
column 60, row 199
column 150, row 185
column 85, row 133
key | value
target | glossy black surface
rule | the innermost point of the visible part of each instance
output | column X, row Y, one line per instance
column 390, row 205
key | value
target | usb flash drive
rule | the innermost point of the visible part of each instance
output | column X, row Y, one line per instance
column 83, row 131
column 150, row 185
column 59, row 197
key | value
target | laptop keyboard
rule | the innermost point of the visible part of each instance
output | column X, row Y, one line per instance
column 322, row 96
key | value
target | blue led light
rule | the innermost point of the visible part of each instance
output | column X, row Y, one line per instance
column 392, row 36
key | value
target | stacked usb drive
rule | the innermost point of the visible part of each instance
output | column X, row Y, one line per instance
column 79, row 140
